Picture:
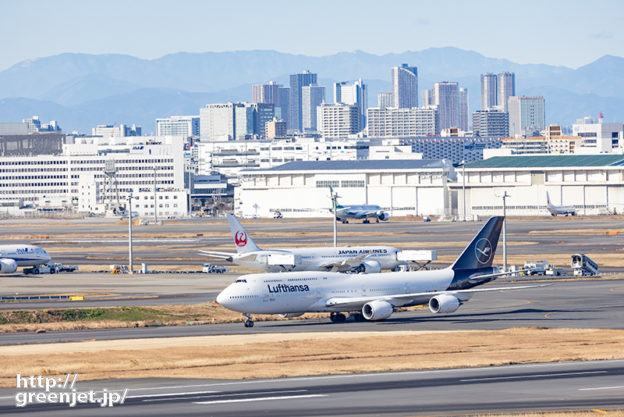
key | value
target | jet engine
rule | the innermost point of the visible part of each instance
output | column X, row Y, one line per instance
column 444, row 303
column 369, row 267
column 383, row 216
column 7, row 266
column 289, row 315
column 377, row 310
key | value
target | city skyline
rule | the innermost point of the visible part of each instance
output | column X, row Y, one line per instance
column 141, row 28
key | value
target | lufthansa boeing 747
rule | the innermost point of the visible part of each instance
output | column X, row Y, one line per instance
column 371, row 296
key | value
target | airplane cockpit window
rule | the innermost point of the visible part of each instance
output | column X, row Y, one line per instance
column 241, row 280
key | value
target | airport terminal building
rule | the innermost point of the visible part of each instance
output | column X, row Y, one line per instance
column 301, row 188
column 592, row 184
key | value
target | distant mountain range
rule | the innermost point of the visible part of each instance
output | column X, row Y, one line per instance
column 81, row 90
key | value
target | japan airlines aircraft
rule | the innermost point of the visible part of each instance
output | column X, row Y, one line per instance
column 342, row 259
column 371, row 296
column 12, row 256
column 359, row 212
column 555, row 210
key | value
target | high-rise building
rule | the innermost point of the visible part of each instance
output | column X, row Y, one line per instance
column 496, row 90
column 353, row 93
column 297, row 81
column 526, row 115
column 404, row 122
column 490, row 123
column 338, row 120
column 427, row 96
column 178, row 126
column 216, row 122
column 463, row 109
column 281, row 111
column 405, row 86
column 446, row 97
column 385, row 100
column 265, row 93
column 243, row 121
column 234, row 121
column 262, row 113
column 275, row 129
column 506, row 87
column 488, row 91
column 311, row 97
column 109, row 131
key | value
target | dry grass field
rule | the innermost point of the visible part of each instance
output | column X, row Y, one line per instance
column 297, row 354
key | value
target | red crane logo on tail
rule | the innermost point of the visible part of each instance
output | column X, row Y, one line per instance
column 240, row 238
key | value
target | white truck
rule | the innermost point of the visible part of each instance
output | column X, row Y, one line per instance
column 49, row 268
column 540, row 268
column 209, row 268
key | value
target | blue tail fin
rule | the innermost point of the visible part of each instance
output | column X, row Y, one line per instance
column 480, row 252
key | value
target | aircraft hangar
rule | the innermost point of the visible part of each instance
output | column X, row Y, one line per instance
column 302, row 188
column 592, row 184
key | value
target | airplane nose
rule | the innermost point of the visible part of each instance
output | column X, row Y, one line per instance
column 222, row 298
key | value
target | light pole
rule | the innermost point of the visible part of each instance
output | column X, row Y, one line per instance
column 504, row 197
column 463, row 162
column 155, row 201
column 334, row 197
column 130, row 234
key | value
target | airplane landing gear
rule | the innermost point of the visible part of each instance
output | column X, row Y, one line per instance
column 337, row 317
column 248, row 321
column 377, row 221
column 366, row 221
column 357, row 316
column 345, row 221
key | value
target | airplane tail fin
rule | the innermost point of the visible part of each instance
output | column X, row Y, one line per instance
column 480, row 252
column 243, row 242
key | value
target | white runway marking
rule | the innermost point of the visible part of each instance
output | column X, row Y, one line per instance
column 246, row 400
column 172, row 394
column 601, row 388
column 531, row 376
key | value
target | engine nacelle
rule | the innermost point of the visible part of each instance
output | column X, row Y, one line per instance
column 7, row 266
column 383, row 216
column 444, row 303
column 289, row 315
column 370, row 267
column 377, row 310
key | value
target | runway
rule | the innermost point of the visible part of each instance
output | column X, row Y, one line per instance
column 103, row 241
column 518, row 388
column 564, row 304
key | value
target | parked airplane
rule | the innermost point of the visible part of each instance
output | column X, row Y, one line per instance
column 372, row 296
column 555, row 210
column 13, row 256
column 359, row 212
column 342, row 259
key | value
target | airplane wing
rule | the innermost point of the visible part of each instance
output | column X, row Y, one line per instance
column 218, row 255
column 361, row 214
column 345, row 264
column 402, row 299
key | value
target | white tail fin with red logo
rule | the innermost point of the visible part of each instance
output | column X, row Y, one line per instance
column 243, row 242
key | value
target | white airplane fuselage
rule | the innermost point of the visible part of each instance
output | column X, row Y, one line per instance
column 298, row 292
column 24, row 255
column 310, row 259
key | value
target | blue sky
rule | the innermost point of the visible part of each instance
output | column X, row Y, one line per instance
column 556, row 32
